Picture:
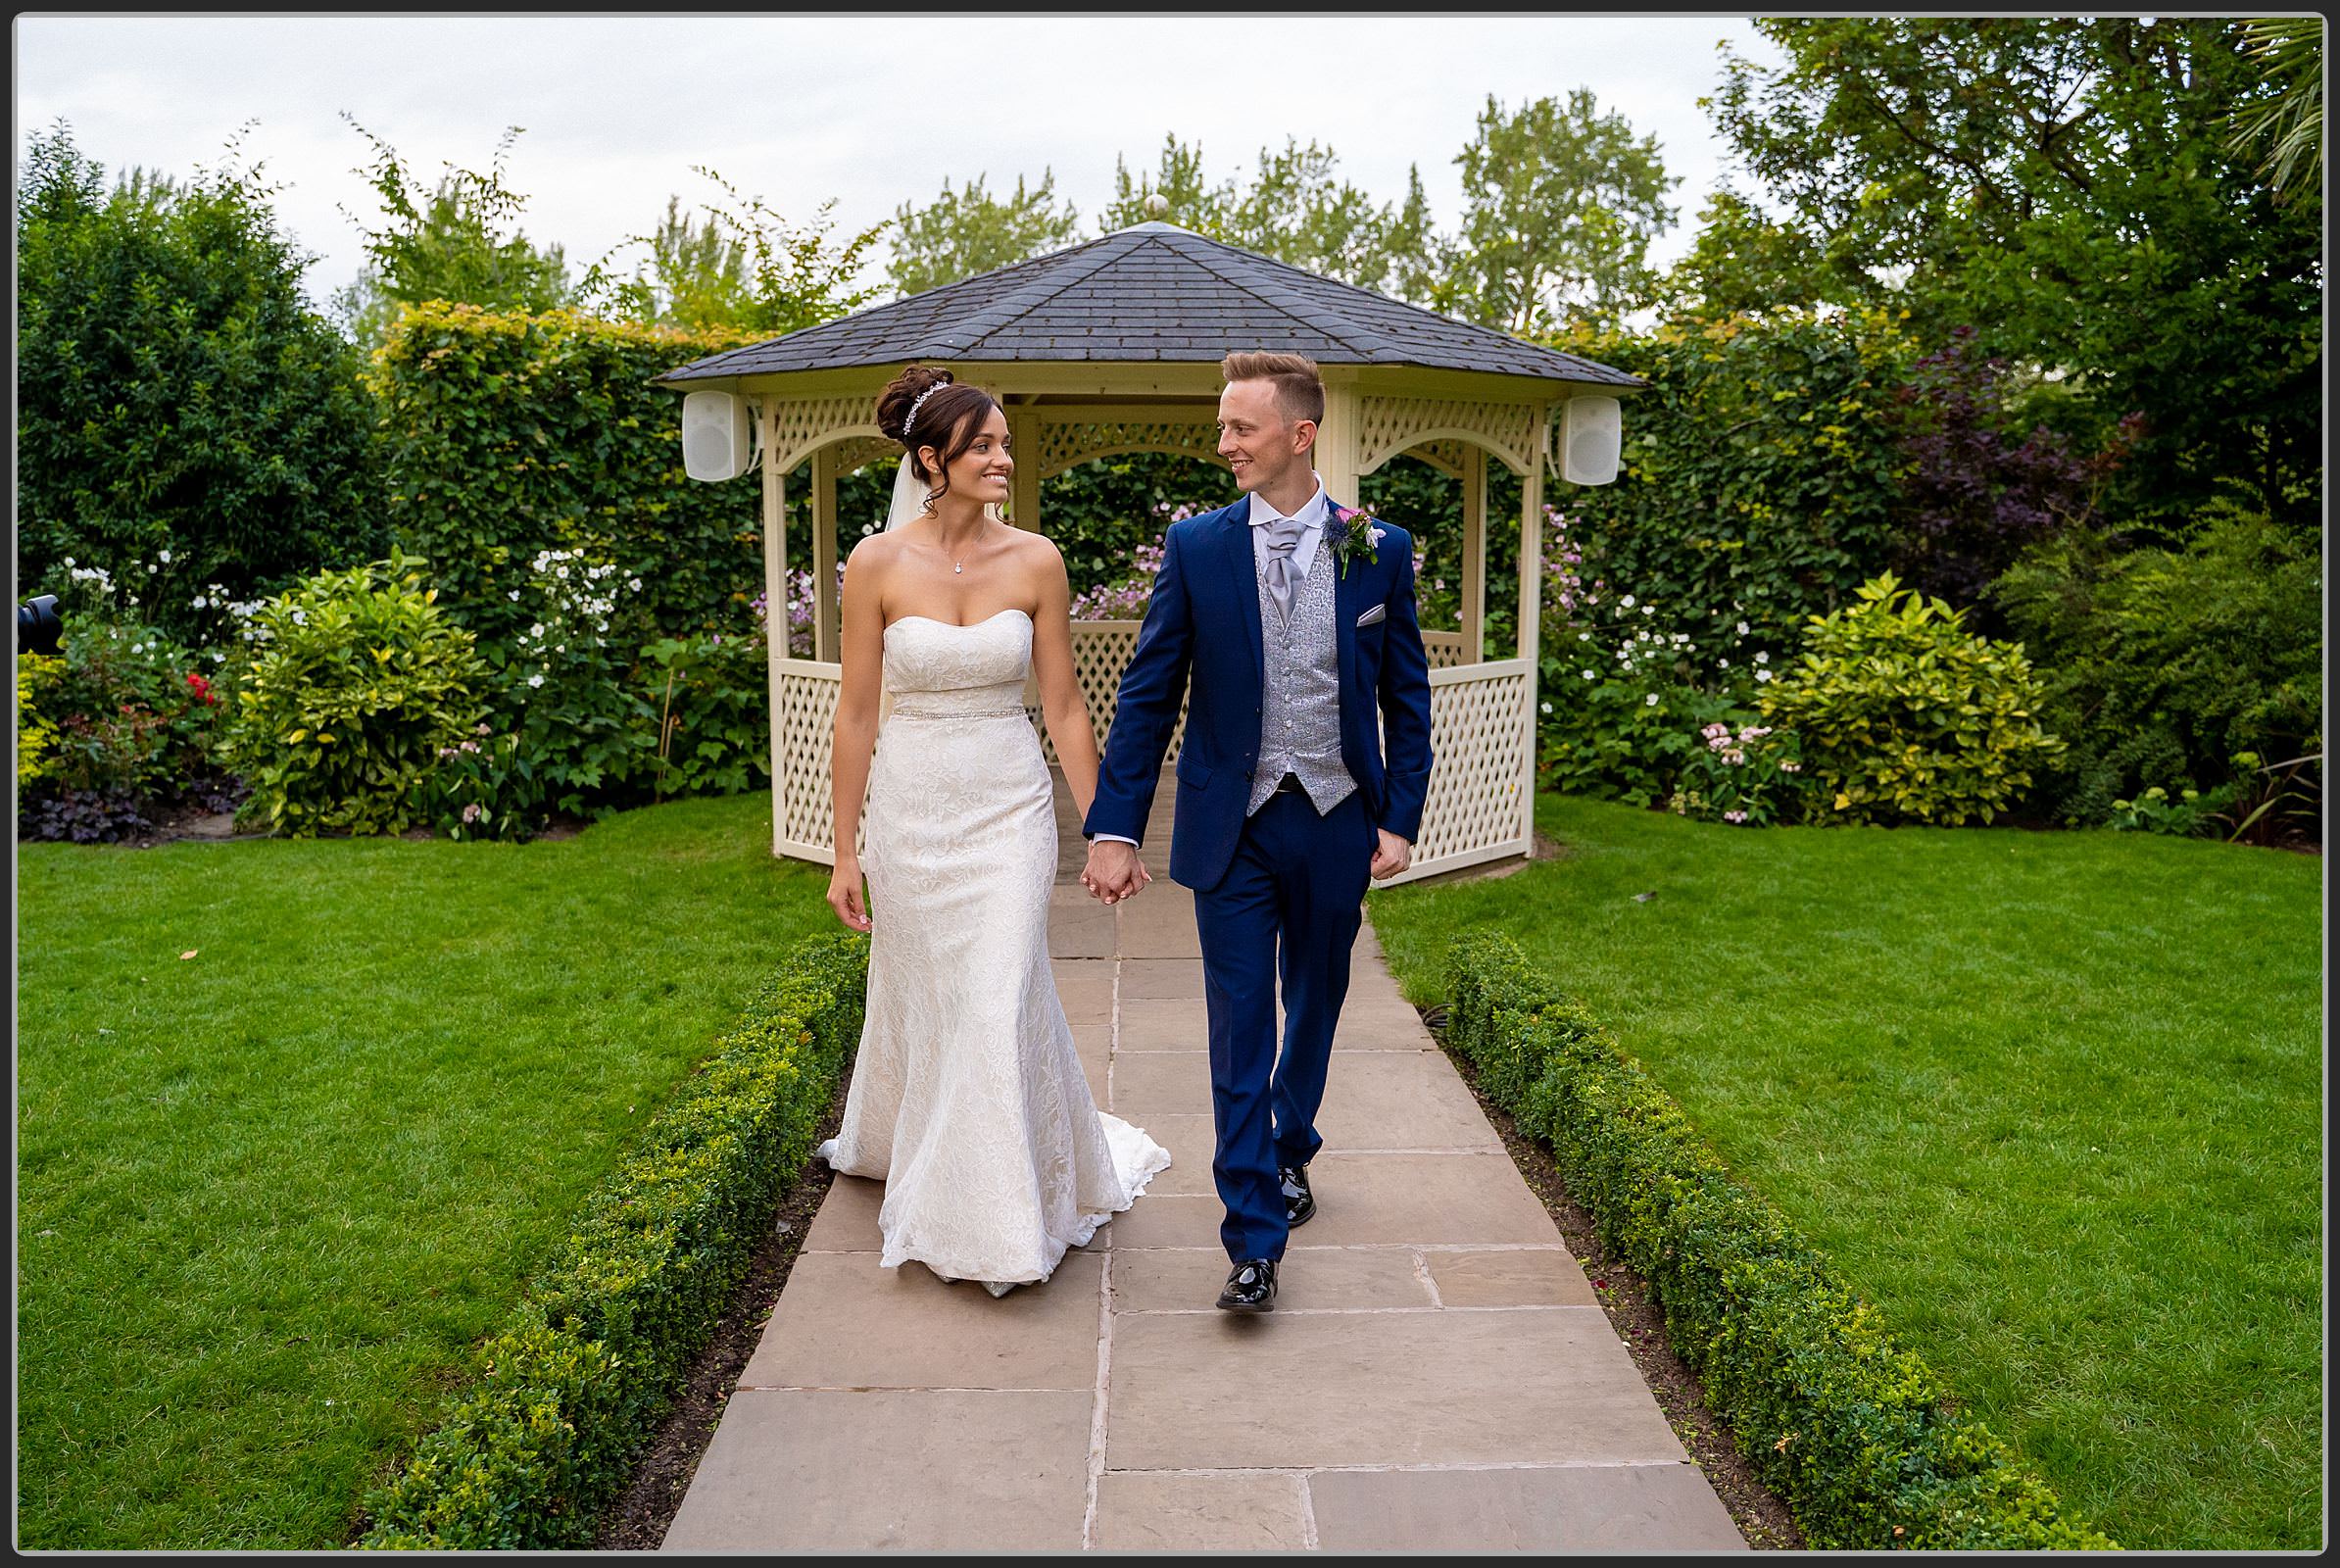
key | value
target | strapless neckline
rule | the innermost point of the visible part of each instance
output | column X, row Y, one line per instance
column 954, row 626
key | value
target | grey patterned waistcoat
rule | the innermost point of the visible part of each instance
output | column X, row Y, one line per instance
column 1300, row 722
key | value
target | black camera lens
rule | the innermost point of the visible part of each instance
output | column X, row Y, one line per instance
column 38, row 630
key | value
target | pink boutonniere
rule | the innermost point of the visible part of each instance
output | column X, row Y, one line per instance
column 1359, row 538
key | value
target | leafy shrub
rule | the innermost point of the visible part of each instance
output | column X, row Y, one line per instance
column 1903, row 716
column 1976, row 495
column 122, row 715
column 712, row 697
column 2162, row 664
column 177, row 397
column 2153, row 811
column 1851, row 1430
column 54, row 813
column 362, row 678
column 1633, row 692
column 1750, row 775
column 566, row 1394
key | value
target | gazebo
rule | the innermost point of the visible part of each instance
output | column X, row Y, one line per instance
column 1113, row 347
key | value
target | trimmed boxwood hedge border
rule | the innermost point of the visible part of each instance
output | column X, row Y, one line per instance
column 1852, row 1432
column 568, row 1392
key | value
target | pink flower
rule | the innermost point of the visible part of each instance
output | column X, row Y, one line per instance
column 1791, row 767
column 471, row 812
column 1735, row 816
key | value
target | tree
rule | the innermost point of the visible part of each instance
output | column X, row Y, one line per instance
column 2290, row 124
column 184, row 416
column 2066, row 186
column 448, row 244
column 963, row 232
column 745, row 268
column 1560, row 203
column 1296, row 210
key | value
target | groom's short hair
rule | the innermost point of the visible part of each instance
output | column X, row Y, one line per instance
column 1300, row 390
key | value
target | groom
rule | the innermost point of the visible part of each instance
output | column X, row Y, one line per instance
column 1293, row 626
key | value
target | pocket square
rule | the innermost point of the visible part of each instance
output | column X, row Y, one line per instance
column 1377, row 613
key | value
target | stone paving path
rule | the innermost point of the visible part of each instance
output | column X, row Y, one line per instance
column 1437, row 1374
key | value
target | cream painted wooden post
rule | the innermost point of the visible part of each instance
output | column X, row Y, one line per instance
column 1023, row 436
column 827, row 623
column 1474, row 558
column 1530, row 629
column 1337, row 439
column 775, row 605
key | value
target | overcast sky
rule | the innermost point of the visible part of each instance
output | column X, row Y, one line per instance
column 874, row 110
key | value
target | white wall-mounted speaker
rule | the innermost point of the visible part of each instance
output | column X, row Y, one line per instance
column 1591, row 432
column 717, row 435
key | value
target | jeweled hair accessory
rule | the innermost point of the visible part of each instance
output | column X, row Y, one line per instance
column 911, row 418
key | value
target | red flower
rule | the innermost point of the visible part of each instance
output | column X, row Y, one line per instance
column 202, row 688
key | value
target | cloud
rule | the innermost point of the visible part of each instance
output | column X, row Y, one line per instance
column 798, row 109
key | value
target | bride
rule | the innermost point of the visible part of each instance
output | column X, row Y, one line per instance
column 967, row 1098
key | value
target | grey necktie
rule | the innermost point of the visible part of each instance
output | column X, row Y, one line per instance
column 1283, row 538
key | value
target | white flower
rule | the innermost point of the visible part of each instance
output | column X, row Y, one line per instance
column 1584, row 636
column 1627, row 601
column 1743, row 628
column 166, row 555
column 513, row 595
column 137, row 647
column 1652, row 701
column 635, row 583
column 537, row 679
column 537, row 629
column 68, row 561
column 1763, row 658
column 1762, row 676
column 1649, row 610
column 1588, row 675
column 218, row 657
column 300, row 617
column 1547, row 708
column 196, row 603
column 1722, row 663
column 150, row 569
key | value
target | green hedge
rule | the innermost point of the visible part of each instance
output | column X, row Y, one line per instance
column 1851, row 1431
column 566, row 1395
column 503, row 435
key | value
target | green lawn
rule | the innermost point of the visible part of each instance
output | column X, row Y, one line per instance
column 270, row 1195
column 2053, row 1100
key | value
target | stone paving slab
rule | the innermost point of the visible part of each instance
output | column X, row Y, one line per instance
column 890, row 1471
column 1210, row 1389
column 1582, row 1508
column 1437, row 1375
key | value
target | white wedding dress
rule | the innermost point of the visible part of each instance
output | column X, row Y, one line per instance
column 967, row 1097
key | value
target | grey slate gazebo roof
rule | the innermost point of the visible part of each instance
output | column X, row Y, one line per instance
column 1152, row 292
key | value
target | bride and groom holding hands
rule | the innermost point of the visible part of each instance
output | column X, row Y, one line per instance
column 1285, row 621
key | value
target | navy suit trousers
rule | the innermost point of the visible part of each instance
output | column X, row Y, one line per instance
column 1287, row 909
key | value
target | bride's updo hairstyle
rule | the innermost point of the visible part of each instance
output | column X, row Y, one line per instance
column 949, row 416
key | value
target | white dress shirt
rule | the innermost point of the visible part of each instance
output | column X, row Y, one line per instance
column 1312, row 513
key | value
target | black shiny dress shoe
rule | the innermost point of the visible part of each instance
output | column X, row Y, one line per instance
column 1300, row 1204
column 1250, row 1287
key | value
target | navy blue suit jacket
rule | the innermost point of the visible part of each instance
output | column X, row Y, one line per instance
column 1204, row 620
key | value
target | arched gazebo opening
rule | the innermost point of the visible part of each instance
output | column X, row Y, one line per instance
column 1113, row 347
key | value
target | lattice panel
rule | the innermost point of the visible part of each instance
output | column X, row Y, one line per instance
column 1477, row 742
column 802, row 424
column 1388, row 427
column 1102, row 651
column 1444, row 648
column 806, row 693
column 1063, row 443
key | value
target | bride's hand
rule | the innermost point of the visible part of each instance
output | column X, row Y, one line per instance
column 845, row 893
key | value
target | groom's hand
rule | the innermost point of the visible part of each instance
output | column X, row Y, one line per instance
column 1392, row 855
column 1113, row 872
